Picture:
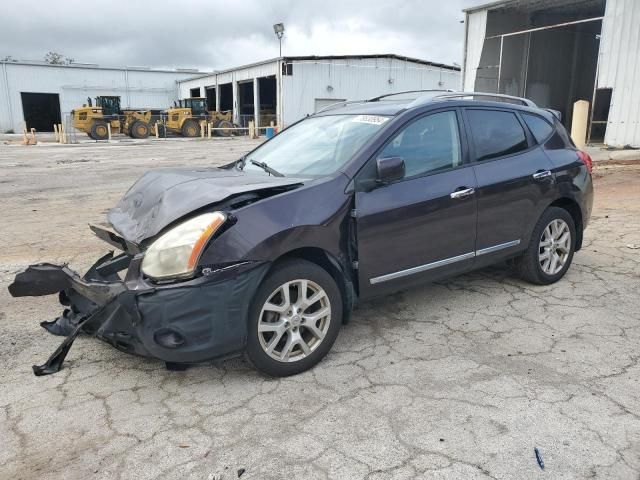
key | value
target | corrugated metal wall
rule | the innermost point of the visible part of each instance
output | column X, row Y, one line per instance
column 619, row 69
column 146, row 88
column 339, row 79
column 356, row 79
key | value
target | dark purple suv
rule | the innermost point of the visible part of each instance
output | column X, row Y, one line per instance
column 268, row 256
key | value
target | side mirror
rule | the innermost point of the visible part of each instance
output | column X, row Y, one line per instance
column 390, row 169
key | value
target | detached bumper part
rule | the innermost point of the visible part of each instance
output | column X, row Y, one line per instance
column 185, row 322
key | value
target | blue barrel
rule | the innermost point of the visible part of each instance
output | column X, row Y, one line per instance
column 270, row 132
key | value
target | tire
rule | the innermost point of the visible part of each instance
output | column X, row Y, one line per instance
column 99, row 130
column 224, row 124
column 266, row 326
column 535, row 266
column 139, row 129
column 90, row 136
column 190, row 128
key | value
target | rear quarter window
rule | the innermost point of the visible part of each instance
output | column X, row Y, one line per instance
column 496, row 133
column 540, row 128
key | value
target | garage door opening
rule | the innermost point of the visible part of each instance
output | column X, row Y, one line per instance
column 268, row 112
column 41, row 110
column 226, row 97
column 546, row 51
column 211, row 98
column 245, row 98
column 195, row 92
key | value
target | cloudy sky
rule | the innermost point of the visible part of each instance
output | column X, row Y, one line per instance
column 214, row 34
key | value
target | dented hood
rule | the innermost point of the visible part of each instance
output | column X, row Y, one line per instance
column 162, row 196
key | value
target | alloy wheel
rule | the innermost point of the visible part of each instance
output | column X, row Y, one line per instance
column 555, row 247
column 294, row 320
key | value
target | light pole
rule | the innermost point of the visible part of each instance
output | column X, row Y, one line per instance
column 278, row 29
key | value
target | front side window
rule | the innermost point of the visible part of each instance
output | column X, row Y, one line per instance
column 496, row 133
column 429, row 144
column 316, row 146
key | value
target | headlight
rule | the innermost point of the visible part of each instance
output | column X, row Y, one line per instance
column 176, row 253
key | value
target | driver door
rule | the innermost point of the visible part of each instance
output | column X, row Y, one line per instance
column 423, row 226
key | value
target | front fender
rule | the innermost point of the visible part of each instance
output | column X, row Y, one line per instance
column 311, row 216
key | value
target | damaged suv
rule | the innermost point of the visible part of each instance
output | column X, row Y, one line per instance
column 269, row 255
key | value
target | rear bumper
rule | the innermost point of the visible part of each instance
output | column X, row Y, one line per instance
column 185, row 322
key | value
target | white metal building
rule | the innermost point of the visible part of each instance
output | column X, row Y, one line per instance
column 557, row 52
column 286, row 89
column 39, row 95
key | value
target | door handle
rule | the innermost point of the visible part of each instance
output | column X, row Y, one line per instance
column 464, row 193
column 541, row 175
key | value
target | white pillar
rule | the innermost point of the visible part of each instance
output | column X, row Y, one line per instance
column 579, row 123
column 217, row 95
column 236, row 101
column 256, row 102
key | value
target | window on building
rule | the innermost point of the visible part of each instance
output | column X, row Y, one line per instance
column 496, row 133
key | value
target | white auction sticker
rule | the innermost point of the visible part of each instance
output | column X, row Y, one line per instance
column 372, row 119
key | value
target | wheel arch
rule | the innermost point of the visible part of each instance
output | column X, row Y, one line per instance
column 331, row 265
column 573, row 208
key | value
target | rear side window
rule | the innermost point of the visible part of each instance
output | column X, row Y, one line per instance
column 539, row 127
column 496, row 133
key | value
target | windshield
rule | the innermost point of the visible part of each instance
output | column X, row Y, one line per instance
column 316, row 146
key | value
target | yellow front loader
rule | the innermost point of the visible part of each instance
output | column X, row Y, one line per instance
column 185, row 118
column 94, row 120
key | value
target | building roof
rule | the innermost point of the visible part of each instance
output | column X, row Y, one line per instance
column 488, row 6
column 95, row 66
column 312, row 58
column 528, row 4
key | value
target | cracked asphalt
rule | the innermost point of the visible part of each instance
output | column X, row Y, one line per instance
column 459, row 379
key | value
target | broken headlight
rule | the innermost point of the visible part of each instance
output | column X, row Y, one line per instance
column 176, row 253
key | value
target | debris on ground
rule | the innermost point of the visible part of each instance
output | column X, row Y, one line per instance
column 539, row 458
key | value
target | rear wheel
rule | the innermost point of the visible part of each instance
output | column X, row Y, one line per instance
column 99, row 130
column 294, row 319
column 139, row 129
column 190, row 128
column 551, row 248
column 224, row 124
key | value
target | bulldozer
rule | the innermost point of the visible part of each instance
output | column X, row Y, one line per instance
column 186, row 116
column 94, row 120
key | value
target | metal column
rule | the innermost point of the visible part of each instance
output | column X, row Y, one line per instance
column 256, row 101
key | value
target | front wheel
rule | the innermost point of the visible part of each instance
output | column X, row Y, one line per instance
column 139, row 129
column 551, row 248
column 191, row 129
column 294, row 319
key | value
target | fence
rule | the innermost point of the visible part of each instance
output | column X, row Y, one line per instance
column 65, row 132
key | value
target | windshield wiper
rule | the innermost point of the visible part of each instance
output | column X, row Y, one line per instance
column 267, row 168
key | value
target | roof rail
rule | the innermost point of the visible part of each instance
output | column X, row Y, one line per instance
column 377, row 99
column 524, row 101
column 339, row 104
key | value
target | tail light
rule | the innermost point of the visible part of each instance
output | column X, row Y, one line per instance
column 586, row 159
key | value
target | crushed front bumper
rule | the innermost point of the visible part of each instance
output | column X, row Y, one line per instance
column 183, row 322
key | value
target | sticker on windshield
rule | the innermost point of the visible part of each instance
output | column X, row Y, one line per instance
column 371, row 119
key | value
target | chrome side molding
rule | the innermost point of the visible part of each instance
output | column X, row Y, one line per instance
column 442, row 263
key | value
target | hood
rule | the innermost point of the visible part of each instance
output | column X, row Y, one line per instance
column 162, row 196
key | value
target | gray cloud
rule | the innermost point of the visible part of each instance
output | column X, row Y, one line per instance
column 216, row 34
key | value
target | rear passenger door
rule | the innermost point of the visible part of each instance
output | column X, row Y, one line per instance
column 514, row 178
